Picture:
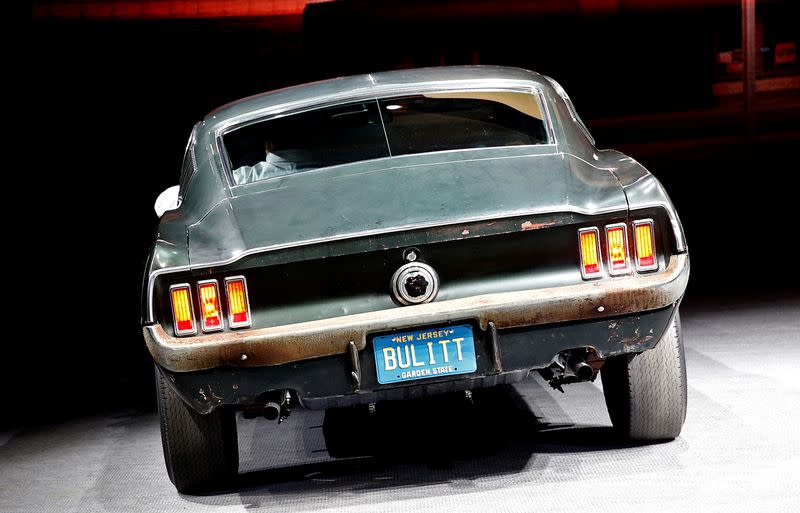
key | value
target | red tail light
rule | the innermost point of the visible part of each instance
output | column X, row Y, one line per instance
column 617, row 241
column 645, row 245
column 182, row 312
column 210, row 314
column 238, row 302
column 591, row 266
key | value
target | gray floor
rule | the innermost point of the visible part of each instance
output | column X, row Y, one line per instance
column 525, row 449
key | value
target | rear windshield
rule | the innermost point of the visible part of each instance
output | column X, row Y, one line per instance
column 383, row 128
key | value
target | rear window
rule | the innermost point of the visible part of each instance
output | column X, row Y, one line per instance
column 382, row 128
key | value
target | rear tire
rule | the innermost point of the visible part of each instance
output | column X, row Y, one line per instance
column 646, row 392
column 201, row 451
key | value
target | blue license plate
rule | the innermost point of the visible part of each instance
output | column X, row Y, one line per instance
column 426, row 353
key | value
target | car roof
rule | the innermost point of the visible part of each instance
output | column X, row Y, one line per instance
column 382, row 83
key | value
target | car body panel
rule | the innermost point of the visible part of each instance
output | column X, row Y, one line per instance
column 508, row 198
column 387, row 195
column 208, row 193
column 327, row 380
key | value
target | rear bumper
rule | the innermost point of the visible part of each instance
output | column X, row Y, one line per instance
column 506, row 358
column 316, row 359
column 280, row 345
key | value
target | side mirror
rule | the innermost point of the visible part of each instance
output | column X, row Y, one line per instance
column 167, row 200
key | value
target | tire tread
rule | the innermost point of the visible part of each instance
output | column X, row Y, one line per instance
column 646, row 392
column 200, row 451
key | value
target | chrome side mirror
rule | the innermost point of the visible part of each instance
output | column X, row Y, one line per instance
column 167, row 200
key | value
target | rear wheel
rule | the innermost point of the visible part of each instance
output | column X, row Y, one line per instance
column 201, row 451
column 646, row 392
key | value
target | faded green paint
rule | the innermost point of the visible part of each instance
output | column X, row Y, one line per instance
column 390, row 194
column 216, row 224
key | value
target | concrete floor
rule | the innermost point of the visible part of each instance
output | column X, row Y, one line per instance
column 523, row 449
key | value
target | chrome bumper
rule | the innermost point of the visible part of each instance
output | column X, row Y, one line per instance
column 277, row 345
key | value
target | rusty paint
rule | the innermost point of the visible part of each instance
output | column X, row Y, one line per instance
column 628, row 344
column 527, row 225
column 215, row 396
column 325, row 337
column 636, row 342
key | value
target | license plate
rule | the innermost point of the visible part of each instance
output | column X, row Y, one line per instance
column 426, row 353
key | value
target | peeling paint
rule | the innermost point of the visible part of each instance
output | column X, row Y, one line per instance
column 527, row 225
column 634, row 343
column 217, row 399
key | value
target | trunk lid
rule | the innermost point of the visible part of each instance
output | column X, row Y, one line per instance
column 401, row 193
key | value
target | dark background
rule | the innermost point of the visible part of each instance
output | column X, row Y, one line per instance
column 115, row 96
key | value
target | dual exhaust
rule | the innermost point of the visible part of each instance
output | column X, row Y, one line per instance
column 566, row 368
column 582, row 370
column 570, row 367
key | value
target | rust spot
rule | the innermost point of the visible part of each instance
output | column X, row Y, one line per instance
column 635, row 344
column 217, row 399
column 527, row 225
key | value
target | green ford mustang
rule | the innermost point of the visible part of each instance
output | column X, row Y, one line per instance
column 393, row 235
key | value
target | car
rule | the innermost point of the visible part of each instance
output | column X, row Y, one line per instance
column 394, row 235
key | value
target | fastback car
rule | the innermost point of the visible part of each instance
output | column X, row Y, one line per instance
column 400, row 234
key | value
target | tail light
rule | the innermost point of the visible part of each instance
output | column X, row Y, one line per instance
column 238, row 302
column 617, row 241
column 210, row 314
column 645, row 245
column 591, row 266
column 182, row 312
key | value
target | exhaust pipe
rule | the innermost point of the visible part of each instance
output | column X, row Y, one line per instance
column 272, row 410
column 275, row 405
column 582, row 370
column 570, row 367
column 278, row 406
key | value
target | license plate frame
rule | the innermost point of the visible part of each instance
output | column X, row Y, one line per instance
column 425, row 353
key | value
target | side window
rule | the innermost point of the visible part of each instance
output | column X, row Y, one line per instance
column 571, row 108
